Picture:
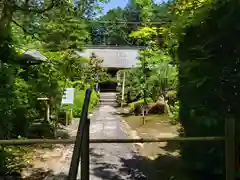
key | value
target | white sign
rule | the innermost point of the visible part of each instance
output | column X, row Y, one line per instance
column 68, row 96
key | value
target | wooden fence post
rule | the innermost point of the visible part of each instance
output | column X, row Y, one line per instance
column 47, row 111
column 67, row 114
column 230, row 148
column 74, row 166
column 85, row 153
column 123, row 88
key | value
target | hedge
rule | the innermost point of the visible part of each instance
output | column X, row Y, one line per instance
column 209, row 88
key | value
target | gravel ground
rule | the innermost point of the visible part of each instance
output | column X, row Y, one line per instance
column 107, row 161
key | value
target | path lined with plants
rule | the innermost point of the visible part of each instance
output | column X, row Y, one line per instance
column 107, row 161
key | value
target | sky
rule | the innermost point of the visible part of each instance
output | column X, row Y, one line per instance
column 119, row 3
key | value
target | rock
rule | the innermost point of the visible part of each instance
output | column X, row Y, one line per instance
column 138, row 109
column 157, row 108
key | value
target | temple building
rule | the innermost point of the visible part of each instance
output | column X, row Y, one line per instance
column 114, row 58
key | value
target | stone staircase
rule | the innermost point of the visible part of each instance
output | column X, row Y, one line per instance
column 108, row 98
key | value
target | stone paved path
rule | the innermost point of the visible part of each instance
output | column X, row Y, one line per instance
column 107, row 161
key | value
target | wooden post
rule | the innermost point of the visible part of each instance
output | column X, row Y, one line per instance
column 123, row 88
column 85, row 153
column 77, row 151
column 143, row 115
column 230, row 148
column 47, row 111
column 145, row 89
column 66, row 122
column 70, row 112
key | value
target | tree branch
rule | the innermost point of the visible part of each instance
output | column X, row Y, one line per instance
column 35, row 10
column 25, row 30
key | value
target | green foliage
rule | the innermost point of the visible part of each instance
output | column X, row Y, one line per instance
column 116, row 33
column 95, row 73
column 175, row 112
column 209, row 81
column 52, row 28
column 79, row 100
column 139, row 102
column 160, row 76
column 13, row 159
column 172, row 93
column 201, row 35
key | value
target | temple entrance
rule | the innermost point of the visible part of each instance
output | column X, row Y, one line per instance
column 109, row 86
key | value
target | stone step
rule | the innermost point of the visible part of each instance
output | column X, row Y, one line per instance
column 108, row 100
column 107, row 95
column 108, row 103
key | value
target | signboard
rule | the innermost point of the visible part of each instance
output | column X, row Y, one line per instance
column 68, row 96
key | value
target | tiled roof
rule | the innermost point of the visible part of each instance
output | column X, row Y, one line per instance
column 34, row 54
column 114, row 57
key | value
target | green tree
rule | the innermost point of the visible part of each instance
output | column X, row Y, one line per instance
column 208, row 64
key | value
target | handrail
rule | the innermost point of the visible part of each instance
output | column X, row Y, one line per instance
column 79, row 138
column 112, row 140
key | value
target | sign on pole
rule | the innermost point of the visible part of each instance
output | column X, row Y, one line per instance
column 68, row 96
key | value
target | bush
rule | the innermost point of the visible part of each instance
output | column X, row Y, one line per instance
column 209, row 86
column 171, row 96
column 175, row 112
column 156, row 108
column 141, row 101
column 79, row 100
column 136, row 107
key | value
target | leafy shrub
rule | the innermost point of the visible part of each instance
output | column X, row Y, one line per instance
column 79, row 100
column 78, row 103
column 171, row 96
column 95, row 97
column 175, row 112
column 42, row 129
column 136, row 107
column 141, row 102
column 209, row 86
column 156, row 108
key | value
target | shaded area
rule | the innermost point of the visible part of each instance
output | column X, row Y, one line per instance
column 44, row 129
column 136, row 167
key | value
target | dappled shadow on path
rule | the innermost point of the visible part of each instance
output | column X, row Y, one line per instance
column 49, row 174
column 165, row 167
column 134, row 167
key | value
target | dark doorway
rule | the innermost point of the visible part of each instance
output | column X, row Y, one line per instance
column 109, row 86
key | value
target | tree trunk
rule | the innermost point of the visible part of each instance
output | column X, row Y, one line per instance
column 5, row 36
column 5, row 19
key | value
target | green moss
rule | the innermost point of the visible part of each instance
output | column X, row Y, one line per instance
column 140, row 101
column 79, row 100
column 172, row 93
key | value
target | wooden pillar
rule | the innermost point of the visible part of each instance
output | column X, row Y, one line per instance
column 47, row 111
column 230, row 148
column 118, row 77
column 66, row 122
column 85, row 162
column 123, row 88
